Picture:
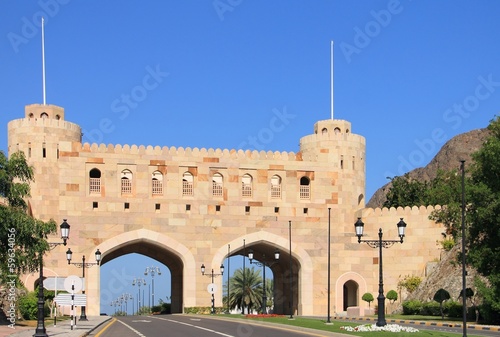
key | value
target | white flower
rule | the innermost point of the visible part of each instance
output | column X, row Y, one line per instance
column 374, row 327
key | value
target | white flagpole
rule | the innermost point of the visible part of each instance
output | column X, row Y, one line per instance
column 43, row 63
column 331, row 80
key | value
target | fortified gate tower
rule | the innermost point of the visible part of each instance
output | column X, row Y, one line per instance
column 184, row 206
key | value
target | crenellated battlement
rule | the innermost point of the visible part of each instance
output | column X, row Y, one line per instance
column 188, row 152
column 401, row 210
column 43, row 122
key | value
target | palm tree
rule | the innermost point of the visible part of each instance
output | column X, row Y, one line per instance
column 249, row 296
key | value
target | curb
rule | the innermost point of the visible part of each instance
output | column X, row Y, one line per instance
column 86, row 333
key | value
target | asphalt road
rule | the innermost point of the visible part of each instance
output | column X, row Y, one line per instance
column 189, row 326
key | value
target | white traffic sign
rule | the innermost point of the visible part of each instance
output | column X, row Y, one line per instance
column 212, row 288
column 80, row 300
column 73, row 280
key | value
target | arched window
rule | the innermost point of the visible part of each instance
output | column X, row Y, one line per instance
column 157, row 183
column 217, row 184
column 31, row 115
column 94, row 181
column 187, row 183
column 58, row 117
column 44, row 115
column 126, row 182
column 246, row 188
column 336, row 130
column 305, row 188
column 276, row 187
column 325, row 130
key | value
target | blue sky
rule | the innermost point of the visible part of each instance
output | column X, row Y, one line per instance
column 409, row 75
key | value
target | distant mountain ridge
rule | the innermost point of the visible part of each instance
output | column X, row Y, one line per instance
column 458, row 148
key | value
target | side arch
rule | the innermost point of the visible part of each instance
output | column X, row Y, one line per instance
column 339, row 288
column 305, row 263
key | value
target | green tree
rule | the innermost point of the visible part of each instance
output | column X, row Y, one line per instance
column 440, row 296
column 484, row 212
column 409, row 283
column 392, row 296
column 405, row 191
column 22, row 238
column 249, row 296
column 367, row 297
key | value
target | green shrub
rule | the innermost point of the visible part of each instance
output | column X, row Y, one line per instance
column 392, row 296
column 203, row 310
column 28, row 306
column 431, row 308
column 412, row 307
column 367, row 297
column 453, row 309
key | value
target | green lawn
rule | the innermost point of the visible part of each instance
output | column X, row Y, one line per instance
column 318, row 324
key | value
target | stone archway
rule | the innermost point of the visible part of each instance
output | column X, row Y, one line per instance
column 160, row 247
column 347, row 289
column 302, row 272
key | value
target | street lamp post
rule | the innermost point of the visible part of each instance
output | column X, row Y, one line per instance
column 264, row 264
column 212, row 275
column 40, row 330
column 138, row 282
column 244, row 283
column 83, row 265
column 228, row 272
column 152, row 271
column 359, row 225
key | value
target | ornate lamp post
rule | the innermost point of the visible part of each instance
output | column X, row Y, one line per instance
column 212, row 274
column 40, row 330
column 83, row 265
column 359, row 225
column 152, row 271
column 264, row 264
column 138, row 282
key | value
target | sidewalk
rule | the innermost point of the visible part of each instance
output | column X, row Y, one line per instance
column 82, row 328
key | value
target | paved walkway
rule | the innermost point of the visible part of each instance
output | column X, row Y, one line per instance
column 63, row 328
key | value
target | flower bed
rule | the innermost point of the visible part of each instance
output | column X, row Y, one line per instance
column 263, row 315
column 374, row 327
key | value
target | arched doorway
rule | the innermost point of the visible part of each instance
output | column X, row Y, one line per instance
column 350, row 291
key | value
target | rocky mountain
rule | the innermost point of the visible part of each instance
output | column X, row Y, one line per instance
column 458, row 148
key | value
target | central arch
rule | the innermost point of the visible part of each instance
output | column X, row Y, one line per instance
column 302, row 271
column 162, row 248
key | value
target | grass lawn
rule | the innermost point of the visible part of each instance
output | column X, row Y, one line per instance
column 318, row 324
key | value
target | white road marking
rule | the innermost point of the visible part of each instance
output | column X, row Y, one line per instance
column 134, row 330
column 197, row 327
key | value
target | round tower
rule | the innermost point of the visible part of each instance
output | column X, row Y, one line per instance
column 333, row 145
column 43, row 135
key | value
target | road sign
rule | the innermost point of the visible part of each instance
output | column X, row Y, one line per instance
column 56, row 283
column 212, row 288
column 80, row 300
column 70, row 280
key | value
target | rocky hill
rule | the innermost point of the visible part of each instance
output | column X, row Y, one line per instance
column 458, row 148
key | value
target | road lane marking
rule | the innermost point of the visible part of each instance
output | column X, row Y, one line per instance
column 196, row 327
column 107, row 326
column 134, row 330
